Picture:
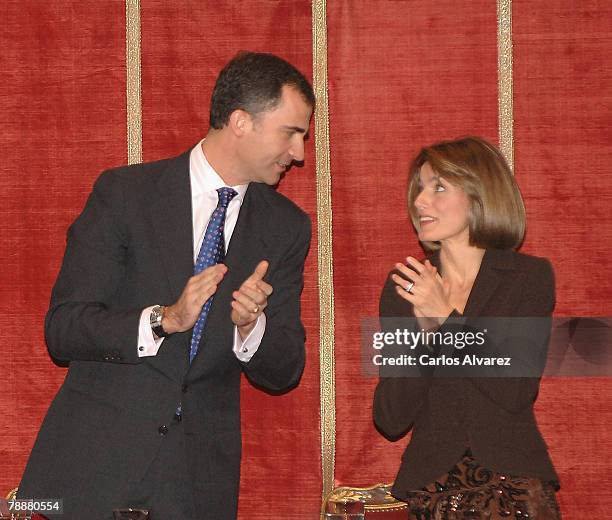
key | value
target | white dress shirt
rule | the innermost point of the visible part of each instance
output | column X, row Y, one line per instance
column 204, row 198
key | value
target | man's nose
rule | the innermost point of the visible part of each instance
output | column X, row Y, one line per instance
column 297, row 149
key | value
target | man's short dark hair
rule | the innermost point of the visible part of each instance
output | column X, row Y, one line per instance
column 253, row 82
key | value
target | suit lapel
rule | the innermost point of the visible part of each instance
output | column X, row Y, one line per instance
column 246, row 249
column 171, row 216
column 171, row 197
column 168, row 206
column 248, row 242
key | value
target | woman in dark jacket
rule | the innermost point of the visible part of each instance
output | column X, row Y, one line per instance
column 475, row 451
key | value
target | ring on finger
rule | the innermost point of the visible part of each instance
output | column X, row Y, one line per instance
column 255, row 309
column 409, row 287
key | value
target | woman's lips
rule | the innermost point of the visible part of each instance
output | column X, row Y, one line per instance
column 425, row 221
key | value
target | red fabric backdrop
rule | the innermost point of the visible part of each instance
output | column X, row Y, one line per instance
column 430, row 75
column 182, row 53
column 563, row 145
column 401, row 75
column 62, row 105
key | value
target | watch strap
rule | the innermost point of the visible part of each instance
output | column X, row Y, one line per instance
column 157, row 314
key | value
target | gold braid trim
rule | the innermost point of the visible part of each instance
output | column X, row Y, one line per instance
column 504, row 76
column 132, row 66
column 325, row 252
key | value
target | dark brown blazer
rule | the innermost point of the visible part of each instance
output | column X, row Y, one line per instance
column 130, row 248
column 492, row 416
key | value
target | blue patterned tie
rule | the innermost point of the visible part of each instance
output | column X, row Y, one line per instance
column 211, row 252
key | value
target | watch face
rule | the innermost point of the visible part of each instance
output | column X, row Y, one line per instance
column 156, row 315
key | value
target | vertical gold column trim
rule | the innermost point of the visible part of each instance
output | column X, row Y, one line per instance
column 325, row 253
column 504, row 76
column 133, row 87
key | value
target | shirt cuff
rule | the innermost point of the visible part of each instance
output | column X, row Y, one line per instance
column 147, row 344
column 246, row 349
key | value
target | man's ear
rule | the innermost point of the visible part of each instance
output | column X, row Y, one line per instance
column 240, row 122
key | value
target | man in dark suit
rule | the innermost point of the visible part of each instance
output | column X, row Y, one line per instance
column 149, row 413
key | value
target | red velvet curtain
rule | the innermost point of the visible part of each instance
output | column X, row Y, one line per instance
column 563, row 145
column 401, row 75
column 183, row 50
column 62, row 105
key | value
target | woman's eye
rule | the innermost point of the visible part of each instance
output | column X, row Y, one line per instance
column 439, row 187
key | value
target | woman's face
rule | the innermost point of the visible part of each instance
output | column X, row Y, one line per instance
column 442, row 209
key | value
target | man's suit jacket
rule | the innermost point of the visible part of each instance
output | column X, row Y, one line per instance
column 492, row 416
column 130, row 248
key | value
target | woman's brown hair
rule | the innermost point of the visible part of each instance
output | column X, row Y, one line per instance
column 497, row 212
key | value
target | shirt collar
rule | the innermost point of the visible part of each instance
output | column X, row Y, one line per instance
column 204, row 179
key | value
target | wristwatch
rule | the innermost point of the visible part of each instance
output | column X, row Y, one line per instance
column 157, row 314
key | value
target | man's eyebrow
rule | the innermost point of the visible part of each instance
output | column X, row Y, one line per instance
column 298, row 129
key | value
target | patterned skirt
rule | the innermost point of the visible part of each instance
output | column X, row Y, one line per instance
column 471, row 492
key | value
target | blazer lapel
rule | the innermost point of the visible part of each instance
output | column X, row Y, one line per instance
column 487, row 279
